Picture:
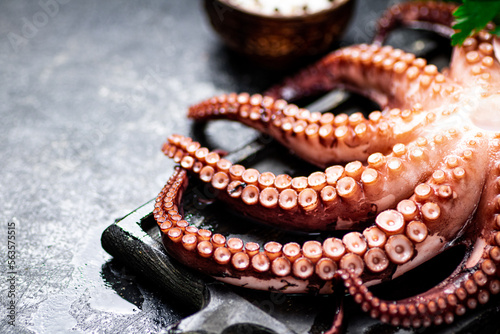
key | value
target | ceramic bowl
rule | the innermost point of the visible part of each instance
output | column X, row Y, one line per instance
column 277, row 40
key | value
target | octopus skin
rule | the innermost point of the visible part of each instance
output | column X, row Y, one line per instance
column 411, row 181
column 433, row 16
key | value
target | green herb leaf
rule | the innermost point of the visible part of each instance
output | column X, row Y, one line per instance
column 472, row 16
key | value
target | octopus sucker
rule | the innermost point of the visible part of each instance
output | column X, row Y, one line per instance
column 336, row 193
column 294, row 268
column 403, row 184
column 441, row 304
column 337, row 138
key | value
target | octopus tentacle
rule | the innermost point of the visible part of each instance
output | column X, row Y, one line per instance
column 390, row 247
column 476, row 278
column 390, row 77
column 321, row 139
column 286, row 268
column 339, row 197
column 463, row 290
column 451, row 194
column 399, row 237
column 429, row 15
column 393, row 240
column 471, row 285
column 476, row 58
column 476, row 54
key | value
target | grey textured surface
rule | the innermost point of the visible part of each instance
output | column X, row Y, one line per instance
column 89, row 90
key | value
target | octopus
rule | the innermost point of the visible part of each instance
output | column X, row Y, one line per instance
column 405, row 183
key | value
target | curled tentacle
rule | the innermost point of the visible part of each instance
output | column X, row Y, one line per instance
column 477, row 277
column 398, row 241
column 428, row 15
column 390, row 247
column 383, row 74
column 321, row 139
column 474, row 59
column 340, row 197
column 467, row 288
column 289, row 268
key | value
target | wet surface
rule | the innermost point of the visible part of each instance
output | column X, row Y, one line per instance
column 89, row 90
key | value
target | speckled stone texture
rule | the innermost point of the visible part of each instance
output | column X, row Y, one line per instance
column 89, row 90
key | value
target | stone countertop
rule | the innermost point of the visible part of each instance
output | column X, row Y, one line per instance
column 89, row 91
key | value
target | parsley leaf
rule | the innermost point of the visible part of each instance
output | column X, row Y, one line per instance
column 472, row 16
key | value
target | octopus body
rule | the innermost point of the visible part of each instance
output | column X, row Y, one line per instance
column 406, row 183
